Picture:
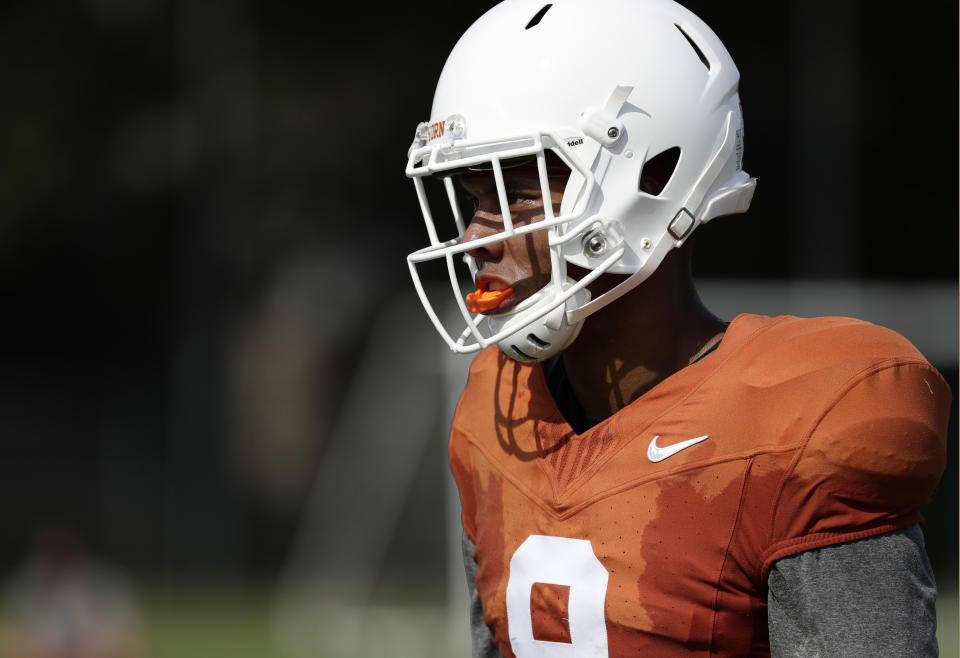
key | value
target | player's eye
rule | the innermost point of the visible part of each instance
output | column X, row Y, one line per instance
column 515, row 197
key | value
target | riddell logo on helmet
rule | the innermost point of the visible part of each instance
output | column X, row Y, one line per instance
column 575, row 142
column 435, row 130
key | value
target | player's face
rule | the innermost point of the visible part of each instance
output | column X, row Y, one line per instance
column 522, row 262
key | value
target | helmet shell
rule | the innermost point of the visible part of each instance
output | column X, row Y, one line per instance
column 608, row 85
column 506, row 79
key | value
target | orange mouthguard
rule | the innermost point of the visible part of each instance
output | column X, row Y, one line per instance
column 483, row 300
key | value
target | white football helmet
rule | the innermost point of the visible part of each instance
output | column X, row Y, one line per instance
column 608, row 85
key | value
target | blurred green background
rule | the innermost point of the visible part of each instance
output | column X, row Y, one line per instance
column 222, row 407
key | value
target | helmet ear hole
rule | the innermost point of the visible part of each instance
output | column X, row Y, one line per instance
column 658, row 170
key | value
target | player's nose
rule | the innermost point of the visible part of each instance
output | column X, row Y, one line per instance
column 484, row 225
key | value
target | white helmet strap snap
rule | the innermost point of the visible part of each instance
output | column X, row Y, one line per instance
column 603, row 125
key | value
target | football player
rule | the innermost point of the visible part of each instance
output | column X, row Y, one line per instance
column 639, row 477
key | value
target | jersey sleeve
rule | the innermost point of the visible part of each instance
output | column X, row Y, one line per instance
column 871, row 460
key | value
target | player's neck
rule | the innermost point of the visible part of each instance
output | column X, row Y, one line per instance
column 632, row 345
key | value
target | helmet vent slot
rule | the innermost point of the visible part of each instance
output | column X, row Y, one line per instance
column 696, row 48
column 538, row 17
column 520, row 355
column 658, row 170
column 536, row 341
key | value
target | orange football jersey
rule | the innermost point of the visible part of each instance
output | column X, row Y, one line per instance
column 652, row 533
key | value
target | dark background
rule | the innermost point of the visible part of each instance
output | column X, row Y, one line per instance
column 170, row 170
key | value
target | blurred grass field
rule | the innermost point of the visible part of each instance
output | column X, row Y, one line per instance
column 947, row 617
column 206, row 621
column 236, row 622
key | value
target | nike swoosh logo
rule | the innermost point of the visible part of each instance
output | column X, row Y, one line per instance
column 657, row 454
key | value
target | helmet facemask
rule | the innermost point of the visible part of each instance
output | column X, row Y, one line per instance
column 539, row 324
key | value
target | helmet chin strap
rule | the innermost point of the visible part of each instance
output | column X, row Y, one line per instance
column 547, row 334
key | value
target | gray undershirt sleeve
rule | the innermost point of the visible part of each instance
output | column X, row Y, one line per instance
column 480, row 638
column 871, row 597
